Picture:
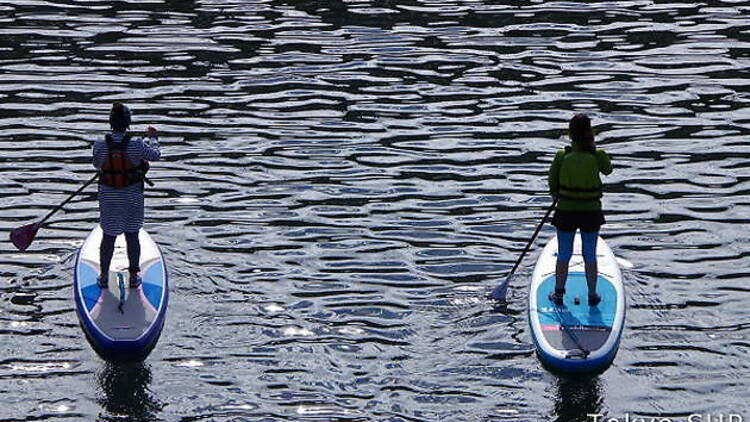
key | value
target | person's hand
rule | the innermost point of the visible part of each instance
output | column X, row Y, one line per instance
column 152, row 132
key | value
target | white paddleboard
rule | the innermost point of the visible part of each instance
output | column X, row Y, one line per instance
column 576, row 337
column 121, row 323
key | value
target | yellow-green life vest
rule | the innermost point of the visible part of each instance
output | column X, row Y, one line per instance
column 579, row 176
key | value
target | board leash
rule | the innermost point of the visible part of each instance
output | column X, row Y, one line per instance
column 584, row 352
column 121, row 284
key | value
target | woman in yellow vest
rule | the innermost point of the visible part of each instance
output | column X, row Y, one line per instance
column 574, row 181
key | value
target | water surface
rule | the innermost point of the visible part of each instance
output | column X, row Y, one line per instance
column 344, row 181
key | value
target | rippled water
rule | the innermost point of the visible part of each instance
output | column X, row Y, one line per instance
column 343, row 183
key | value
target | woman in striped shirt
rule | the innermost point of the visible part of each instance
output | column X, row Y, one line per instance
column 122, row 162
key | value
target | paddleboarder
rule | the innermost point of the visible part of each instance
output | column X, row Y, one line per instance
column 575, row 183
column 122, row 162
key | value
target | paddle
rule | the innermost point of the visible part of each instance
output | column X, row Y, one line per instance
column 23, row 236
column 501, row 291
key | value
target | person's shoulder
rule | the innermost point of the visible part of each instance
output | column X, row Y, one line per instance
column 601, row 152
column 135, row 140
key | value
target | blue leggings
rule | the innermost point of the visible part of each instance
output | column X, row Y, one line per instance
column 565, row 245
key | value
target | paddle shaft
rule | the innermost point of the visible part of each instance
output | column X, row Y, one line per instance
column 73, row 195
column 533, row 237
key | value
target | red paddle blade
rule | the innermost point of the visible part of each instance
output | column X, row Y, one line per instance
column 23, row 236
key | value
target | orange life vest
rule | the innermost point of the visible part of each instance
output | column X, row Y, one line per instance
column 118, row 171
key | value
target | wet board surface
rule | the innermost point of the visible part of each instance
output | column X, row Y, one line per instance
column 574, row 336
column 120, row 322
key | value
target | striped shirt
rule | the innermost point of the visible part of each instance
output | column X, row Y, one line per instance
column 121, row 209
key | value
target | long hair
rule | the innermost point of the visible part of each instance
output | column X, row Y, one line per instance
column 119, row 117
column 580, row 130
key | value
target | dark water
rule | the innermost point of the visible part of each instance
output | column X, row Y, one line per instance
column 343, row 183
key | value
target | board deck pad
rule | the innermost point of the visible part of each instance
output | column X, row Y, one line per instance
column 590, row 325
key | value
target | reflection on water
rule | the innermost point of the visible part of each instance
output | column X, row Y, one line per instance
column 577, row 397
column 125, row 393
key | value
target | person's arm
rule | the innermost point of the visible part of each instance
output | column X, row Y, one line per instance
column 605, row 165
column 99, row 155
column 554, row 176
column 151, row 151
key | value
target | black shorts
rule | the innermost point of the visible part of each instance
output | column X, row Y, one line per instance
column 569, row 221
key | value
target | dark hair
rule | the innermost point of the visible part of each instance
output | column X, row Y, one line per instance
column 580, row 130
column 119, row 117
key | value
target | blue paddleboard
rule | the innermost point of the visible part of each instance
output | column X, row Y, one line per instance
column 576, row 337
column 121, row 323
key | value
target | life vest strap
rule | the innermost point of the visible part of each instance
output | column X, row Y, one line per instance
column 595, row 189
column 562, row 195
column 140, row 168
